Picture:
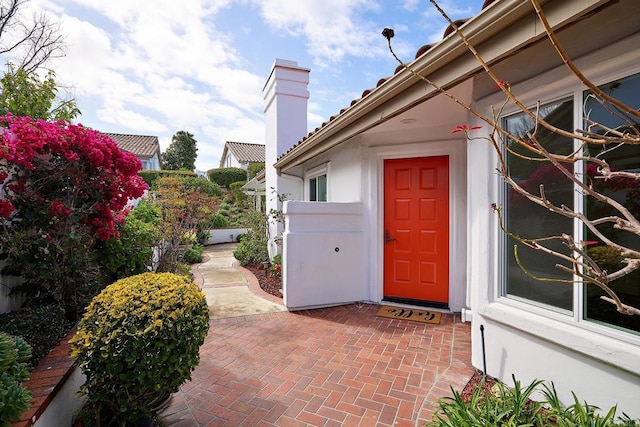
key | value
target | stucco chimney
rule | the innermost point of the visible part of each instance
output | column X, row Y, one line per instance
column 285, row 107
column 285, row 95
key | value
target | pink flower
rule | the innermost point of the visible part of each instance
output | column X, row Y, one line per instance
column 6, row 208
column 590, row 242
column 465, row 128
column 503, row 83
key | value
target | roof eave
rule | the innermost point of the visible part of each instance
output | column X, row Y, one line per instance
column 484, row 26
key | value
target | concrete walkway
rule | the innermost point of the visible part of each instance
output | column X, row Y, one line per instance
column 261, row 365
column 231, row 290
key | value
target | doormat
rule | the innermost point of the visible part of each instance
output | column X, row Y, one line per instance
column 413, row 314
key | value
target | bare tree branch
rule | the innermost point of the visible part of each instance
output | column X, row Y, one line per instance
column 30, row 41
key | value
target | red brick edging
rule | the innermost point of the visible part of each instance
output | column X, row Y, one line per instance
column 46, row 380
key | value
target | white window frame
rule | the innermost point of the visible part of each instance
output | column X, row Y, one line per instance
column 315, row 173
column 590, row 338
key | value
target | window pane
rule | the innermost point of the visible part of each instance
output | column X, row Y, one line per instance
column 322, row 188
column 527, row 220
column 312, row 190
column 625, row 191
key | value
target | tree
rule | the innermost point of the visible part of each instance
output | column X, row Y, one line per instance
column 181, row 153
column 184, row 210
column 24, row 94
column 63, row 189
column 617, row 257
column 31, row 42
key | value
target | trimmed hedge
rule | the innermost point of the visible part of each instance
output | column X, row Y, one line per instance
column 151, row 176
column 225, row 176
column 139, row 341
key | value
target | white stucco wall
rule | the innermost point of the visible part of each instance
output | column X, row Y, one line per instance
column 600, row 364
column 65, row 404
column 324, row 254
column 224, row 235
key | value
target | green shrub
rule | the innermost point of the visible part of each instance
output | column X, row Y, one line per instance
column 193, row 255
column 220, row 221
column 151, row 176
column 254, row 168
column 606, row 257
column 14, row 397
column 239, row 198
column 253, row 245
column 131, row 253
column 147, row 212
column 138, row 341
column 42, row 327
column 225, row 176
column 203, row 185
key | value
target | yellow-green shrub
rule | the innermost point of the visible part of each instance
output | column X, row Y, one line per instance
column 139, row 340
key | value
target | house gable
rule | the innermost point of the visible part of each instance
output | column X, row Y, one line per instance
column 145, row 147
column 242, row 154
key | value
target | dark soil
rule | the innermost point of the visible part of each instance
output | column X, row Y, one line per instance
column 270, row 284
column 477, row 381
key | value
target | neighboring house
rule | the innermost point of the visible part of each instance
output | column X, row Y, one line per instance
column 241, row 154
column 256, row 189
column 145, row 147
column 406, row 205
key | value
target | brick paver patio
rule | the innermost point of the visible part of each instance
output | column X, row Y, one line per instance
column 339, row 366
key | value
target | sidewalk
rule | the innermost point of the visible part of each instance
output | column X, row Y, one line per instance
column 338, row 366
column 232, row 291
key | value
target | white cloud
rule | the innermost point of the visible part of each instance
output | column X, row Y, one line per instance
column 331, row 27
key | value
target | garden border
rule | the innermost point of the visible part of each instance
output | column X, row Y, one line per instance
column 46, row 381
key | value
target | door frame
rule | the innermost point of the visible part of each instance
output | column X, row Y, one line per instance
column 373, row 197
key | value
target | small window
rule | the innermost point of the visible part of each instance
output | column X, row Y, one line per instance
column 318, row 188
column 316, row 184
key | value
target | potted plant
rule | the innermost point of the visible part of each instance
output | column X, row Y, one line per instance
column 137, row 343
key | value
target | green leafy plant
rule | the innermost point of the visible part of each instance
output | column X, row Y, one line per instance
column 276, row 265
column 581, row 413
column 42, row 327
column 253, row 245
column 14, row 397
column 254, row 168
column 220, row 221
column 131, row 252
column 193, row 255
column 505, row 406
column 138, row 341
column 239, row 198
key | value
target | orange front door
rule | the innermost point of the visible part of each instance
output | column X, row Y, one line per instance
column 416, row 230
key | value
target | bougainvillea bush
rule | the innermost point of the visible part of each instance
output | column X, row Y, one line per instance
column 64, row 187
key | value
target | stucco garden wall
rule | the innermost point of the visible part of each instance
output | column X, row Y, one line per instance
column 323, row 254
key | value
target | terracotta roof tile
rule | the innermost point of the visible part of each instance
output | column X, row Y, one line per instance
column 246, row 152
column 421, row 51
column 144, row 146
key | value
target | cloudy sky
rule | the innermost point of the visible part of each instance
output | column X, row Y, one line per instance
column 155, row 67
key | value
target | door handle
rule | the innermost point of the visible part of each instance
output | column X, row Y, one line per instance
column 387, row 237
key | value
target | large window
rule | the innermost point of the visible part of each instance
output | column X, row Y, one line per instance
column 524, row 267
column 624, row 190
